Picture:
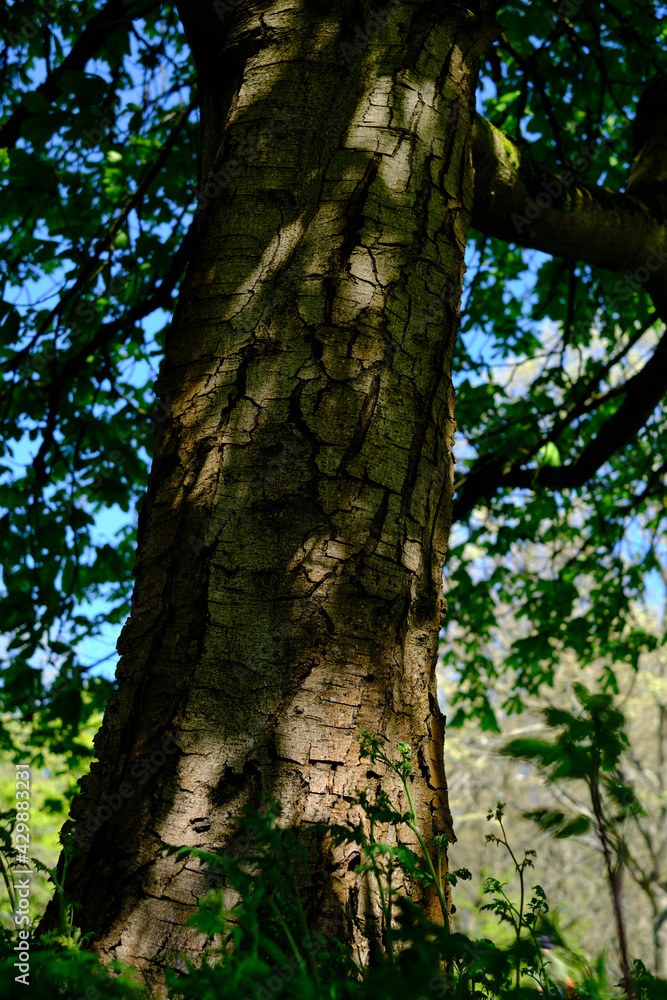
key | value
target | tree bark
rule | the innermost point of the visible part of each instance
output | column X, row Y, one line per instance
column 520, row 201
column 291, row 543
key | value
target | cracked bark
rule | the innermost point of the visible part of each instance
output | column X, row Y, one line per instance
column 289, row 568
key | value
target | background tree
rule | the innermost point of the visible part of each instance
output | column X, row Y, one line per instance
column 288, row 576
column 570, row 870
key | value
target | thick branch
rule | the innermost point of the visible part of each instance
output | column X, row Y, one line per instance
column 520, row 201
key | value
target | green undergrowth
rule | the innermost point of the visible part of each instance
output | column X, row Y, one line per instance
column 261, row 947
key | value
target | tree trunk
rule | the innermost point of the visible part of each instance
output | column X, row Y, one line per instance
column 291, row 544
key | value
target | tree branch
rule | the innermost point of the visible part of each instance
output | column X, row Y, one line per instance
column 643, row 392
column 519, row 201
column 86, row 47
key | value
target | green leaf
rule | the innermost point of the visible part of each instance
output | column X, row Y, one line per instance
column 548, row 454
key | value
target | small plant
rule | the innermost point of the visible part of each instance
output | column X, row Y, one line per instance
column 395, row 856
column 263, row 936
column 648, row 986
column 588, row 747
column 67, row 972
column 370, row 747
column 8, row 854
column 58, row 965
column 521, row 917
column 67, row 933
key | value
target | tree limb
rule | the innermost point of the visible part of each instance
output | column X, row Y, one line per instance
column 643, row 392
column 520, row 201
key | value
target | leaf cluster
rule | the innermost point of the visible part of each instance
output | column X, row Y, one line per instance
column 97, row 165
column 561, row 483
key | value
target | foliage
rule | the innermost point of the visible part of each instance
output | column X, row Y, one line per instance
column 382, row 810
column 519, row 917
column 52, row 787
column 262, row 945
column 560, row 509
column 99, row 157
column 561, row 518
column 418, row 954
column 264, row 933
column 588, row 747
column 478, row 773
column 71, row 973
